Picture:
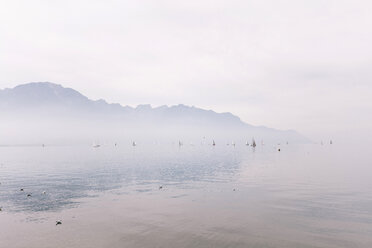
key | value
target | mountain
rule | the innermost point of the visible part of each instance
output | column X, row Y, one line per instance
column 55, row 99
column 50, row 109
column 54, row 96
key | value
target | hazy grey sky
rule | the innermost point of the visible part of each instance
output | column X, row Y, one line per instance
column 304, row 65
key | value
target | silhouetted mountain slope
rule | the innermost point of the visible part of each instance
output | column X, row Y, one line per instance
column 44, row 102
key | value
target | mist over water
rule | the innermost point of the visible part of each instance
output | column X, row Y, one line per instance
column 132, row 124
column 308, row 195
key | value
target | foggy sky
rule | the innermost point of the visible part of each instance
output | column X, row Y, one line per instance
column 303, row 65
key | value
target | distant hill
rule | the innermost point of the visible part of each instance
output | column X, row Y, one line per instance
column 44, row 105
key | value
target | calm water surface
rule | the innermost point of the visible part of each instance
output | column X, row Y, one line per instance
column 222, row 196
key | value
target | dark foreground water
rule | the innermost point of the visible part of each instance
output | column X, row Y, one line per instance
column 222, row 196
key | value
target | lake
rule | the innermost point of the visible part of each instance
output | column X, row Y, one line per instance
column 166, row 195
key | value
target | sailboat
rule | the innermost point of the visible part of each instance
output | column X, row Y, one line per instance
column 214, row 143
column 330, row 142
column 179, row 143
column 134, row 143
column 96, row 144
column 253, row 143
column 247, row 143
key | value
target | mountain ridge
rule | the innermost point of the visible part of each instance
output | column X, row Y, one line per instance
column 58, row 88
column 52, row 102
column 38, row 94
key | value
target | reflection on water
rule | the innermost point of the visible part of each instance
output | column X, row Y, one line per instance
column 67, row 174
column 211, row 196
